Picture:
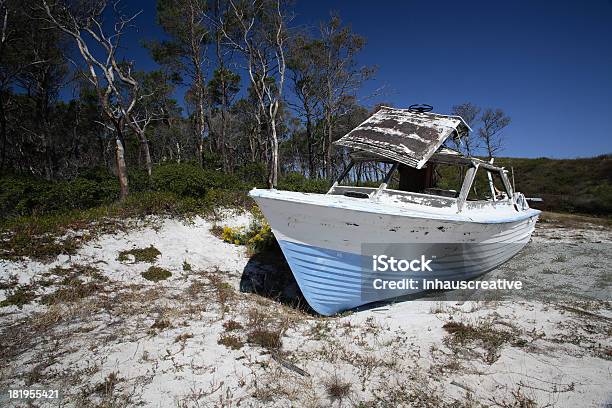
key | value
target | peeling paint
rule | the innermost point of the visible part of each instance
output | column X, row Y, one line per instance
column 403, row 136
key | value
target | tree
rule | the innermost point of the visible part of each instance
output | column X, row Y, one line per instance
column 222, row 89
column 342, row 78
column 493, row 123
column 257, row 29
column 117, row 89
column 470, row 114
column 185, row 53
column 42, row 82
column 305, row 62
column 16, row 28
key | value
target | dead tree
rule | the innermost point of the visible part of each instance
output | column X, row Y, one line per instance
column 118, row 92
column 469, row 113
column 493, row 123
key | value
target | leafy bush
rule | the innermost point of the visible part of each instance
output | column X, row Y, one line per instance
column 181, row 179
column 253, row 175
column 258, row 237
column 25, row 196
column 138, row 180
column 151, row 202
column 79, row 193
column 18, row 194
column 298, row 182
column 190, row 180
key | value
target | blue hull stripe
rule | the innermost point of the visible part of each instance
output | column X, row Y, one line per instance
column 331, row 280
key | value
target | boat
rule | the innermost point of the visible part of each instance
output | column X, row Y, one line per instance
column 330, row 240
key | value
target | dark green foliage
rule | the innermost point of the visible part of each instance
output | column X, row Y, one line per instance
column 566, row 185
column 298, row 182
column 149, row 254
column 138, row 180
column 190, row 180
column 253, row 175
column 21, row 296
column 156, row 274
column 180, row 179
column 177, row 188
column 26, row 195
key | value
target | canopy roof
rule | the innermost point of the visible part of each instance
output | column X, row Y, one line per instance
column 443, row 155
column 404, row 136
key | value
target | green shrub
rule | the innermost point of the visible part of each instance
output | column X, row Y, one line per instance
column 212, row 161
column 298, row 182
column 138, row 180
column 156, row 274
column 18, row 194
column 151, row 202
column 26, row 196
column 190, row 180
column 181, row 179
column 253, row 175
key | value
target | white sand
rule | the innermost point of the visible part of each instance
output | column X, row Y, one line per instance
column 399, row 354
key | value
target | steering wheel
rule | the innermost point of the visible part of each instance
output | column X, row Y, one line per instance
column 420, row 108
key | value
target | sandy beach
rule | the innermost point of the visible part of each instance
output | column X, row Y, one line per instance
column 199, row 338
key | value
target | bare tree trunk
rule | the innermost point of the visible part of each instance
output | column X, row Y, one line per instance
column 144, row 146
column 121, row 169
column 273, row 176
column 2, row 131
column 328, row 152
column 309, row 145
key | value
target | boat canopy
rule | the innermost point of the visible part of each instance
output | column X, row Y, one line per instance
column 444, row 155
column 404, row 136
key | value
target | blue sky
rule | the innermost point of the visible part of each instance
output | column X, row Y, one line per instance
column 548, row 65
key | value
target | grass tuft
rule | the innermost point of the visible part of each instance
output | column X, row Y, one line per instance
column 266, row 338
column 336, row 388
column 73, row 290
column 232, row 325
column 231, row 341
column 482, row 334
column 148, row 255
column 21, row 296
column 156, row 274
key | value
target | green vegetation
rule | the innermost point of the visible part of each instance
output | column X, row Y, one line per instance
column 38, row 217
column 156, row 274
column 297, row 182
column 184, row 187
column 566, row 185
column 33, row 224
column 72, row 290
column 258, row 237
column 149, row 254
column 21, row 296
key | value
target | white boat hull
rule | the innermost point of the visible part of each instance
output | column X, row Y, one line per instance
column 322, row 237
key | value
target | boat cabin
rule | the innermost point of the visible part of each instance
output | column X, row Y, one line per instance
column 411, row 145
